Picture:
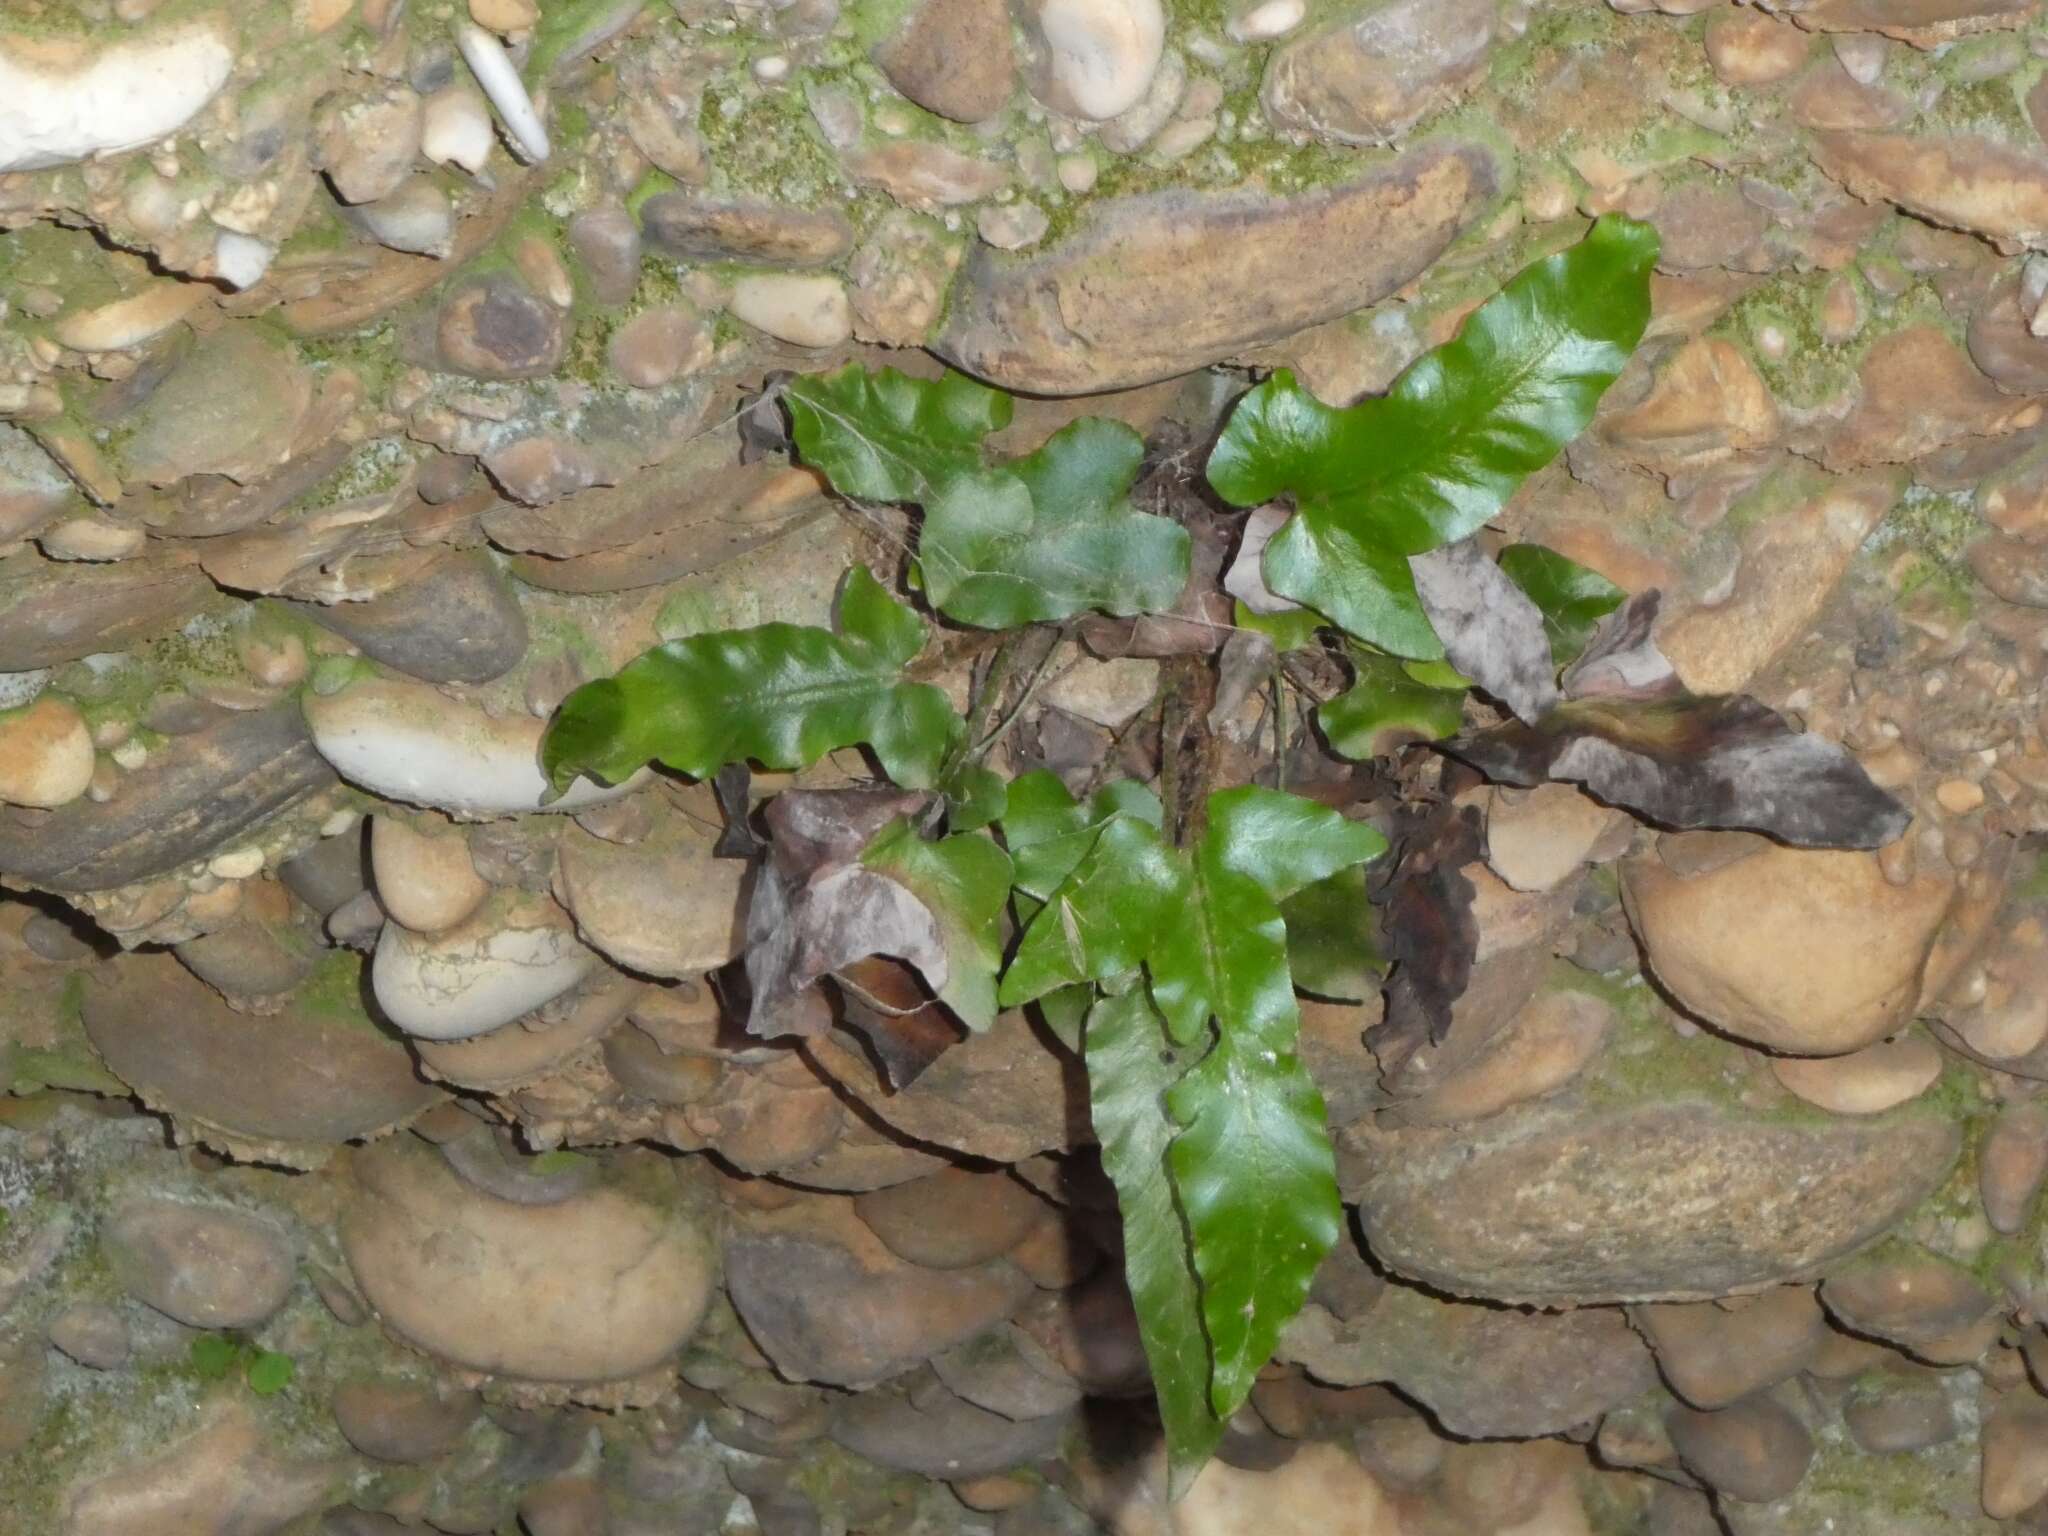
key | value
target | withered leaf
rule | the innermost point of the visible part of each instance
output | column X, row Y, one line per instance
column 1492, row 630
column 1621, row 661
column 906, row 1030
column 1683, row 762
column 1429, row 931
column 817, row 908
column 1245, row 579
column 763, row 430
column 736, row 840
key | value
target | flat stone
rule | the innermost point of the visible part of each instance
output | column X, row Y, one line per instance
column 92, row 1333
column 206, row 1266
column 953, row 1220
column 1371, row 74
column 51, row 614
column 1004, row 1094
column 195, row 794
column 1963, row 181
column 310, row 1078
column 402, row 1421
column 226, row 1478
column 508, row 959
column 953, row 57
column 1755, row 1451
column 426, row 882
column 1866, row 1082
column 493, row 328
column 232, row 407
column 1486, row 1372
column 46, row 754
column 763, row 234
column 1715, row 1354
column 1920, row 392
column 929, row 1431
column 827, row 1302
column 455, row 622
column 602, row 1285
column 1553, row 1205
column 1163, row 283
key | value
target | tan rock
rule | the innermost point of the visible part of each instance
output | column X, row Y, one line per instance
column 801, row 309
column 954, row 1219
column 1790, row 565
column 601, row 1285
column 1715, row 1353
column 1706, row 403
column 1156, row 285
column 504, row 15
column 1908, row 1299
column 1964, row 181
column 953, row 57
column 1546, row 1045
column 1805, row 951
column 1368, row 77
column 1866, row 1082
column 224, row 1479
column 1923, row 23
column 46, row 754
column 1754, row 48
column 129, row 321
column 663, row 906
column 2012, row 1161
column 1538, row 838
column 425, row 882
column 1755, row 1450
column 926, row 175
column 1319, row 1491
column 2015, row 1450
column 1920, row 392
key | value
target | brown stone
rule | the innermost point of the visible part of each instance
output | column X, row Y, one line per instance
column 1159, row 284
column 955, row 1219
column 953, row 57
column 1714, row 1353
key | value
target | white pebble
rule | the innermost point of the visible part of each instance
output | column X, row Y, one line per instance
column 1267, row 20
column 236, row 863
column 455, row 128
column 240, row 260
column 770, row 68
column 500, row 80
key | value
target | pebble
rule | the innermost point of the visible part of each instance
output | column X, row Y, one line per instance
column 129, row 321
column 1716, row 1353
column 1538, row 838
column 425, row 882
column 1265, row 20
column 130, row 91
column 455, row 128
column 1012, row 226
column 1909, row 1300
column 657, row 345
column 1900, row 1413
column 1754, row 1450
column 2014, row 1442
column 663, row 906
column 402, row 1422
column 92, row 1333
column 1092, row 60
column 494, row 328
column 367, row 144
column 603, row 1285
column 508, row 959
column 953, row 57
column 2011, row 1164
column 1794, row 949
column 46, row 754
column 205, row 1266
column 1866, row 1082
column 407, row 742
column 1748, row 48
column 1367, row 81
column 606, row 240
column 952, row 1220
column 805, row 311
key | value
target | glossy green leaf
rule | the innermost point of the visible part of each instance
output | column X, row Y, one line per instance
column 1385, row 709
column 1332, row 939
column 1049, row 832
column 1103, row 919
column 1065, row 1012
column 964, row 881
column 976, row 797
column 883, row 436
column 1253, row 1165
column 1437, row 456
column 1257, row 1181
column 270, row 1372
column 1573, row 599
column 782, row 695
column 1131, row 1065
column 1051, row 535
column 1226, row 958
column 1289, row 631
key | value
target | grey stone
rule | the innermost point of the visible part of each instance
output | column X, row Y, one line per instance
column 402, row 1421
column 192, row 796
column 1369, row 76
column 1485, row 1372
column 1163, row 283
column 927, row 1430
column 314, row 1076
column 456, row 622
column 763, row 234
column 1552, row 1204
column 607, row 241
column 92, row 1333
